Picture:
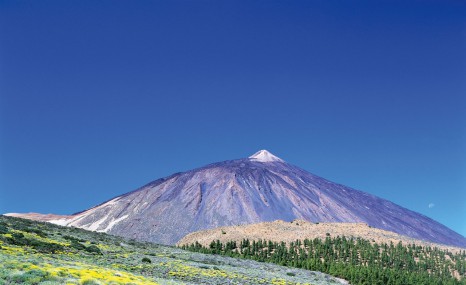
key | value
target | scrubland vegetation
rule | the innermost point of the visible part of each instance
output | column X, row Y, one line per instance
column 45, row 254
column 41, row 253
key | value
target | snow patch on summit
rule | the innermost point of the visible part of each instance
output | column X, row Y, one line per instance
column 264, row 156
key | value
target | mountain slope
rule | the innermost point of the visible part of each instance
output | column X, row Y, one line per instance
column 260, row 188
column 34, row 253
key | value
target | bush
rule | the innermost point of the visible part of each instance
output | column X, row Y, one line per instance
column 30, row 277
column 45, row 247
column 90, row 282
column 37, row 232
column 70, row 238
column 17, row 236
column 93, row 249
column 3, row 229
column 146, row 260
column 290, row 274
column 50, row 283
column 17, row 239
column 76, row 245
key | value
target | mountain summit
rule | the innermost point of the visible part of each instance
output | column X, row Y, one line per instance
column 256, row 189
column 264, row 156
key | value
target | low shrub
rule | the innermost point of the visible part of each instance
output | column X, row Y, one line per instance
column 37, row 232
column 70, row 238
column 50, row 283
column 30, row 277
column 90, row 282
column 93, row 249
column 3, row 229
column 76, row 245
column 44, row 247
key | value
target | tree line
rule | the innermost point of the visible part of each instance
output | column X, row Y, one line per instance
column 359, row 261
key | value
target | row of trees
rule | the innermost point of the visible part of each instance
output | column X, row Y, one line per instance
column 356, row 260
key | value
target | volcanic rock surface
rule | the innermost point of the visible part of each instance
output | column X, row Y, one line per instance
column 259, row 188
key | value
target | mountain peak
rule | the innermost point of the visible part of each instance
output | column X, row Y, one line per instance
column 264, row 156
column 261, row 188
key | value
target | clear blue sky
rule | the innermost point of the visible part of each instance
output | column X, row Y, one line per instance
column 98, row 98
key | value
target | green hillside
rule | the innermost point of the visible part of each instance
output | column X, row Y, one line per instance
column 41, row 253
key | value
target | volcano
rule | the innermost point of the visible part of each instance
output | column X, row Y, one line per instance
column 256, row 189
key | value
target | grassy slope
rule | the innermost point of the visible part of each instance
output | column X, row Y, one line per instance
column 41, row 253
